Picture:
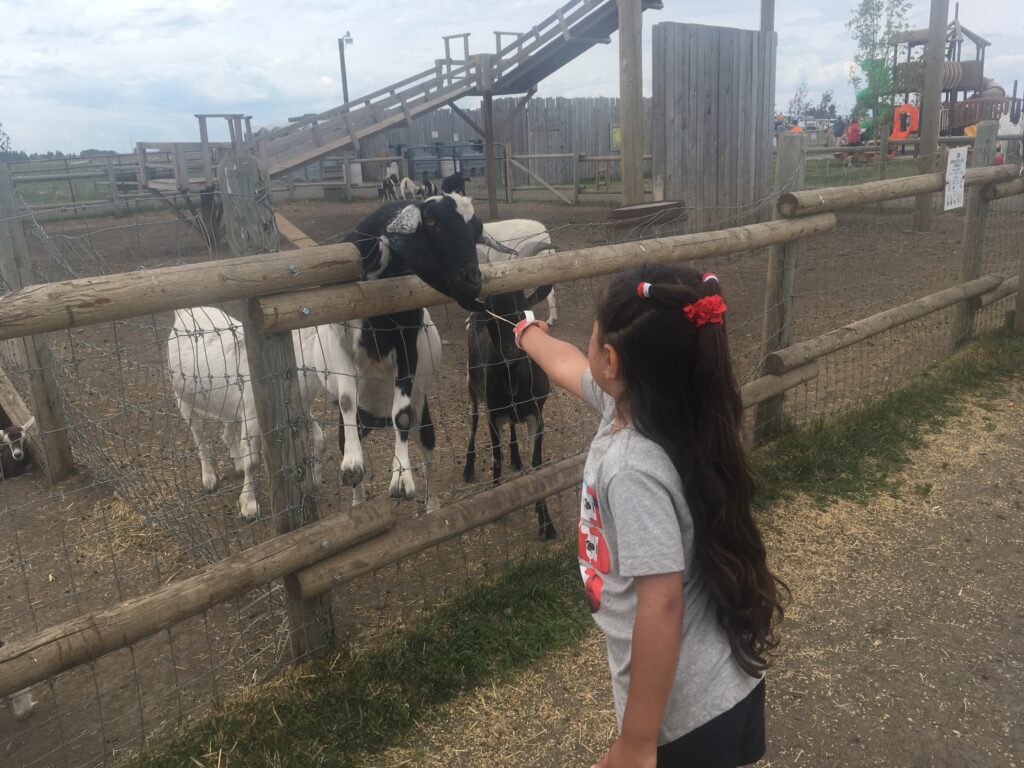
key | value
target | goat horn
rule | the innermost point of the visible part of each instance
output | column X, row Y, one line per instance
column 490, row 242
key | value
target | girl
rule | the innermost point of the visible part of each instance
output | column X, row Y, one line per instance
column 665, row 522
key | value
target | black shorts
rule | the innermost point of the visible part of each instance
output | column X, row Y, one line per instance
column 732, row 739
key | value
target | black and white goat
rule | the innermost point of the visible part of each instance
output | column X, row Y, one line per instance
column 389, row 186
column 510, row 384
column 14, row 459
column 21, row 703
column 401, row 239
column 519, row 237
column 427, row 188
column 454, row 184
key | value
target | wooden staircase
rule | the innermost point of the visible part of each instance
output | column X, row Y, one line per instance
column 516, row 67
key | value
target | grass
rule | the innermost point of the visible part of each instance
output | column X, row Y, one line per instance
column 826, row 171
column 337, row 711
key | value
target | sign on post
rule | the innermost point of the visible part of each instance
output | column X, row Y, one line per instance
column 956, row 167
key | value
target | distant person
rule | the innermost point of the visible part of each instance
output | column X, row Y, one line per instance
column 999, row 158
column 796, row 128
column 838, row 131
column 853, row 135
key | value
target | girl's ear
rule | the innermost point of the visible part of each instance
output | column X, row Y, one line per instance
column 611, row 363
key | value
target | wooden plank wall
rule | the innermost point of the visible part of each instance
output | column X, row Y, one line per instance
column 712, row 134
column 546, row 126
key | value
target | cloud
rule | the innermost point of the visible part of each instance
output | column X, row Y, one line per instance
column 79, row 73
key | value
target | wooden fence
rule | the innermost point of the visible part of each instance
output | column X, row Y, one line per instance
column 285, row 291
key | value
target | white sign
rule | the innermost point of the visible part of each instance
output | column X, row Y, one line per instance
column 433, row 134
column 956, row 167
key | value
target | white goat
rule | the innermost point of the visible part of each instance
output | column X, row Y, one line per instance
column 210, row 377
column 407, row 189
column 516, row 234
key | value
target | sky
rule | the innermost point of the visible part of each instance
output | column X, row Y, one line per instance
column 102, row 74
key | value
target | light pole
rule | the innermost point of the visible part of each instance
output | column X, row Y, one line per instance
column 342, row 42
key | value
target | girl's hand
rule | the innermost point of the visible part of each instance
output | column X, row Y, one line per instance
column 627, row 754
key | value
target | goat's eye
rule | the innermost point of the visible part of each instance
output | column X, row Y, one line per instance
column 431, row 222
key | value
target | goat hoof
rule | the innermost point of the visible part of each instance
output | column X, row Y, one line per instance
column 553, row 320
column 250, row 511
column 352, row 476
column 433, row 505
column 210, row 483
column 405, row 491
column 548, row 532
column 468, row 474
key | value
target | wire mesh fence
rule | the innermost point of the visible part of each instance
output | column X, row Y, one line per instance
column 138, row 515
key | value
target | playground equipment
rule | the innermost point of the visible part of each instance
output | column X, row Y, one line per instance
column 968, row 95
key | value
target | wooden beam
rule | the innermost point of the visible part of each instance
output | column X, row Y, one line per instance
column 631, row 100
column 1003, row 189
column 808, row 351
column 931, row 105
column 810, row 201
column 367, row 299
column 767, row 15
column 1007, row 288
column 770, row 386
column 454, row 519
column 291, row 233
column 542, row 182
column 101, row 299
column 44, row 654
column 467, row 120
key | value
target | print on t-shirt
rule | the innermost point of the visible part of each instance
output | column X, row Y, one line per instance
column 592, row 548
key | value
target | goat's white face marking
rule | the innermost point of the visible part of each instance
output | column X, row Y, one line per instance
column 407, row 221
column 464, row 205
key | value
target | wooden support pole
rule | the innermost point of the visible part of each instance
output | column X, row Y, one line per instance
column 1018, row 312
column 777, row 329
column 204, row 146
column 285, row 434
column 468, row 121
column 490, row 166
column 974, row 231
column 102, row 299
column 631, row 100
column 16, row 272
column 808, row 351
column 931, row 98
column 809, row 201
column 767, row 15
column 375, row 297
column 143, row 178
column 83, row 639
column 509, row 186
column 115, row 194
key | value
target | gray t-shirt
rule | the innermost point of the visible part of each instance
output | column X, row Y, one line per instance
column 634, row 521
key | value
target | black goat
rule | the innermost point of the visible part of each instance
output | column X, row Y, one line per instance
column 454, row 184
column 513, row 387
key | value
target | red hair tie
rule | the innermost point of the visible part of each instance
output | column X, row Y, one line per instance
column 706, row 310
column 643, row 290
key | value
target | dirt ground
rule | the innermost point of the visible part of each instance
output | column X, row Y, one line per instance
column 903, row 645
column 85, row 545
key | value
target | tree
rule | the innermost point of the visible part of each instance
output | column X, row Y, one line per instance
column 826, row 109
column 800, row 104
column 5, row 140
column 872, row 22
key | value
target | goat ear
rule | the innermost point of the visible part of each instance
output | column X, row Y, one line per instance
column 538, row 296
column 27, row 424
column 406, row 222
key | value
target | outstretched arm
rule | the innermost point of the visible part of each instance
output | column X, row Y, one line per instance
column 562, row 362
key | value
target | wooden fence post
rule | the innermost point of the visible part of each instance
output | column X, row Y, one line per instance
column 508, row 174
column 16, row 272
column 974, row 231
column 284, row 427
column 777, row 332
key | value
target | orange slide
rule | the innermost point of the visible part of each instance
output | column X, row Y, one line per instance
column 906, row 119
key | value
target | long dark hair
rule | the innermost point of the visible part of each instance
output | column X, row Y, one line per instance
column 681, row 393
